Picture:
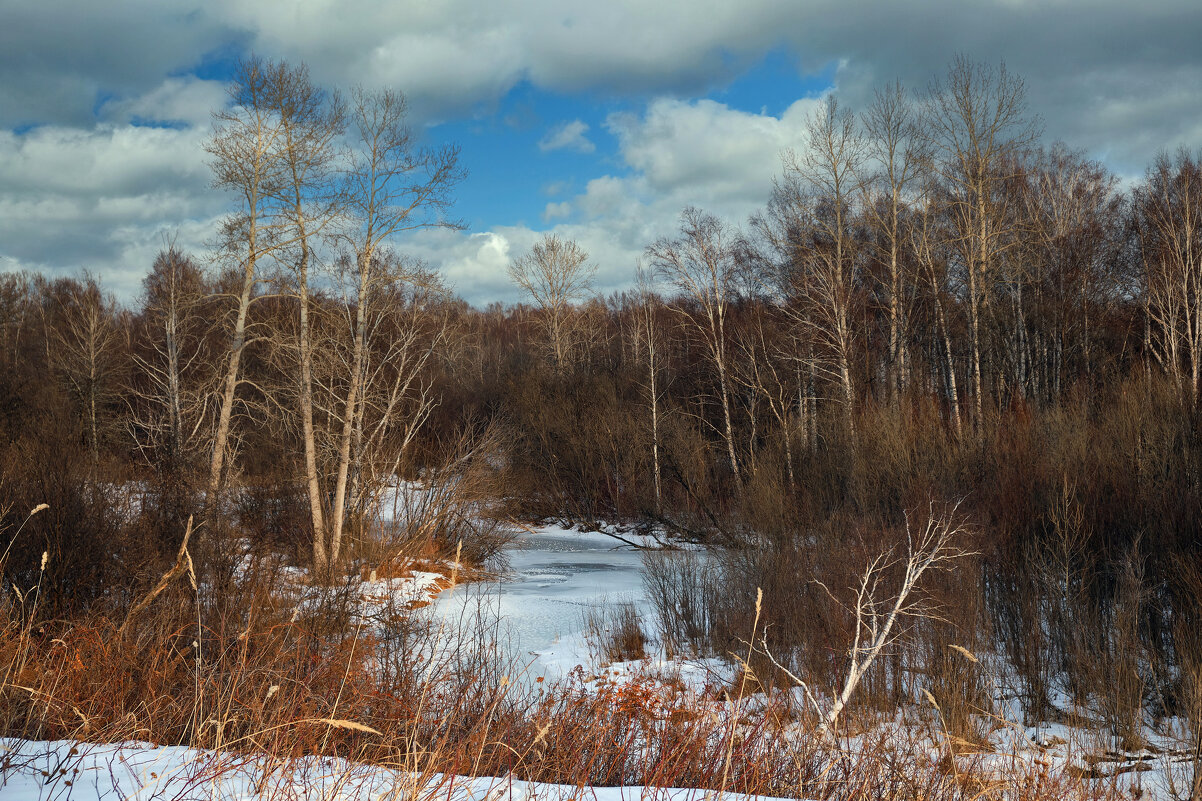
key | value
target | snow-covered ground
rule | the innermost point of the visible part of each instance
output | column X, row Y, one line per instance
column 540, row 606
column 559, row 575
column 42, row 771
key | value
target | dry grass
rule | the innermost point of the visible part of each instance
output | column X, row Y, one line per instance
column 615, row 633
column 427, row 702
column 271, row 684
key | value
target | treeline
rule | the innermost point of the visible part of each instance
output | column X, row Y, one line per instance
column 931, row 308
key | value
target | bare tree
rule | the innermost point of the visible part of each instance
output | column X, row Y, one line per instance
column 831, row 164
column 700, row 263
column 167, row 424
column 648, row 340
column 1169, row 222
column 85, row 351
column 555, row 273
column 1071, row 205
column 977, row 123
column 929, row 243
column 16, row 303
column 311, row 121
column 759, row 368
column 245, row 151
column 893, row 143
column 808, row 226
column 392, row 186
column 408, row 329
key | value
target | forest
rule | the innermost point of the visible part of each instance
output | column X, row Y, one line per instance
column 942, row 344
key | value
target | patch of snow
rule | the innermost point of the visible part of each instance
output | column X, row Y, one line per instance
column 39, row 771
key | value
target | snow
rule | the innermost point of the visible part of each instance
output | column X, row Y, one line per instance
column 42, row 771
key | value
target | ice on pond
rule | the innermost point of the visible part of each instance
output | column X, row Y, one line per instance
column 555, row 577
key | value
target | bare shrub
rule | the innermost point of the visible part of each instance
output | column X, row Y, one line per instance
column 682, row 588
column 452, row 512
column 617, row 632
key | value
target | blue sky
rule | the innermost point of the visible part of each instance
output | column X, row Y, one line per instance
column 598, row 121
column 516, row 168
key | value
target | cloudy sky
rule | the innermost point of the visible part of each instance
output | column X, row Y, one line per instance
column 598, row 120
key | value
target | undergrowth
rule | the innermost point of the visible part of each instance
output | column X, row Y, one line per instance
column 268, row 681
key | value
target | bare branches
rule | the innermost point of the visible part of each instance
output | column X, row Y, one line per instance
column 877, row 610
column 1169, row 225
column 701, row 264
column 555, row 273
column 977, row 123
column 85, row 352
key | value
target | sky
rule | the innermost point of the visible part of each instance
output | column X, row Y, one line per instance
column 599, row 121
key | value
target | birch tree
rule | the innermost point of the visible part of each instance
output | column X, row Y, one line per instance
column 392, row 186
column 878, row 611
column 977, row 124
column 893, row 145
column 830, row 165
column 311, row 121
column 1169, row 223
column 556, row 273
column 169, row 391
column 245, row 152
column 167, row 425
column 649, row 345
column 700, row 263
column 85, row 344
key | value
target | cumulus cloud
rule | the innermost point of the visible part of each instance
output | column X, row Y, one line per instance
column 1088, row 62
column 675, row 154
column 60, row 59
column 102, row 198
column 184, row 101
column 568, row 136
column 554, row 211
column 707, row 147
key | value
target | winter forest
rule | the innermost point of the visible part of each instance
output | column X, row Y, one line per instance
column 905, row 468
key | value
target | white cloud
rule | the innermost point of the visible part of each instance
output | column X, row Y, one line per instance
column 1115, row 78
column 568, row 136
column 555, row 211
column 706, row 147
column 677, row 154
column 102, row 199
column 189, row 101
column 1086, row 61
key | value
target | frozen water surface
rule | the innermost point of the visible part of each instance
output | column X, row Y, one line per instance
column 556, row 576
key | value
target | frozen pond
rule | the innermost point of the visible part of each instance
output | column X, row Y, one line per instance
column 556, row 576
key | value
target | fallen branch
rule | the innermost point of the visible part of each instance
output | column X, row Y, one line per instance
column 183, row 564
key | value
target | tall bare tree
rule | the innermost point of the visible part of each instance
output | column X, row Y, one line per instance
column 808, row 224
column 895, row 149
column 930, row 244
column 392, row 186
column 169, row 391
column 648, row 344
column 1168, row 212
column 1071, row 204
column 85, row 345
column 311, row 122
column 831, row 164
column 977, row 123
column 169, row 423
column 555, row 274
column 245, row 151
column 701, row 264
